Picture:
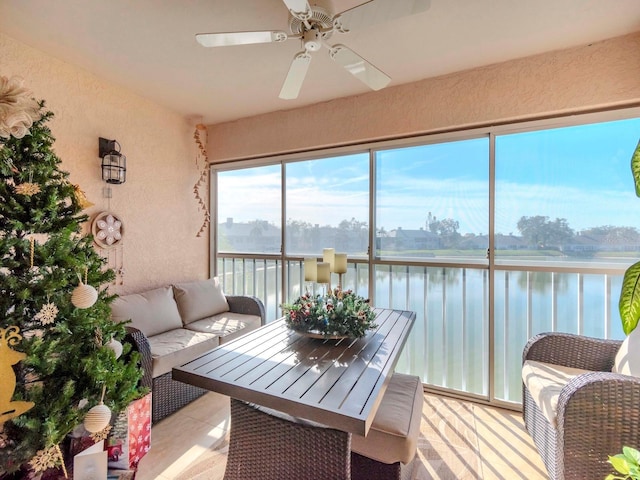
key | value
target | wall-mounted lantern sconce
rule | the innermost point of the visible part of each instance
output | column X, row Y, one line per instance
column 114, row 163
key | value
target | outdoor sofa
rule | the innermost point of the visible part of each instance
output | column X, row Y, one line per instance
column 175, row 324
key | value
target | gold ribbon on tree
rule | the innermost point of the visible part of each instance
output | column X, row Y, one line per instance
column 201, row 156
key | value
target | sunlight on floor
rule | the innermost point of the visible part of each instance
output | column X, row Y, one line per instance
column 459, row 440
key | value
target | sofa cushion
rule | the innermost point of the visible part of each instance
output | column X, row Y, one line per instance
column 227, row 325
column 177, row 347
column 151, row 312
column 627, row 359
column 393, row 436
column 544, row 382
column 201, row 299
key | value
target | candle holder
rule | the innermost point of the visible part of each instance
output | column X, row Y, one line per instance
column 310, row 274
column 324, row 274
column 310, row 287
column 340, row 266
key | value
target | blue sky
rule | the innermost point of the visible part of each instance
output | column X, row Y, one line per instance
column 579, row 173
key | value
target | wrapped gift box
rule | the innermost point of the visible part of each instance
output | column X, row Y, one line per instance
column 130, row 437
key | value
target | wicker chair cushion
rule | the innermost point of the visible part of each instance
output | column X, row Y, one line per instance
column 177, row 347
column 393, row 436
column 151, row 312
column 197, row 300
column 544, row 382
column 227, row 325
column 627, row 359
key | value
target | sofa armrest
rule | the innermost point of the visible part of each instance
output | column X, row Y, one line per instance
column 140, row 344
column 570, row 350
column 247, row 305
column 597, row 415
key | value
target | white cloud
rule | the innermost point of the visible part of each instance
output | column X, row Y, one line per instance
column 406, row 201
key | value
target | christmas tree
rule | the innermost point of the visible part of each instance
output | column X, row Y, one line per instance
column 58, row 346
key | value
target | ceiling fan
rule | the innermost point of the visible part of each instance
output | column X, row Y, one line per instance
column 314, row 26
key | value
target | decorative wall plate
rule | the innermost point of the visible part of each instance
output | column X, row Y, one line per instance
column 107, row 230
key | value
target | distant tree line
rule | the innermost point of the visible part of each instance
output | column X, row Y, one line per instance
column 535, row 232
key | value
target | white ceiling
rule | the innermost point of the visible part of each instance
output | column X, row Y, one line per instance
column 148, row 46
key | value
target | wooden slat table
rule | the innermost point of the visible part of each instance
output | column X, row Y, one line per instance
column 336, row 383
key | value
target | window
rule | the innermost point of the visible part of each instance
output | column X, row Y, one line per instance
column 555, row 202
column 249, row 218
column 433, row 201
column 565, row 195
column 327, row 204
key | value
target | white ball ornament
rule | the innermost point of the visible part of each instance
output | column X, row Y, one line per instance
column 116, row 346
column 84, row 296
column 97, row 418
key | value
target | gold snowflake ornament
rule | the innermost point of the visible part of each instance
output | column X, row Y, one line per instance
column 4, row 440
column 27, row 188
column 47, row 314
column 102, row 434
column 45, row 459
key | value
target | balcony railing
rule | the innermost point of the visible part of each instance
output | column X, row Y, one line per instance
column 451, row 342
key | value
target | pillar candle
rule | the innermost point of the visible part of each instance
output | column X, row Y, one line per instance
column 324, row 273
column 310, row 269
column 340, row 263
column 328, row 256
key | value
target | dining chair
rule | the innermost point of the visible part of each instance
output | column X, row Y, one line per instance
column 255, row 447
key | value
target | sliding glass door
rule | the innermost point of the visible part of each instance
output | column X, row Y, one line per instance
column 432, row 235
column 491, row 236
column 567, row 226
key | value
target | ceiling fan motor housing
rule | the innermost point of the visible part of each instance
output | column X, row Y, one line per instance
column 319, row 19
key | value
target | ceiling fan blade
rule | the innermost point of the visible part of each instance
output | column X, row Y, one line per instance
column 358, row 67
column 240, row 38
column 299, row 8
column 295, row 77
column 378, row 11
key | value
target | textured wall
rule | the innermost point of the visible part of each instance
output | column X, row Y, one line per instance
column 156, row 203
column 600, row 75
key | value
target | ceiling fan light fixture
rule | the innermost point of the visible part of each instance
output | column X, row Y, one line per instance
column 312, row 40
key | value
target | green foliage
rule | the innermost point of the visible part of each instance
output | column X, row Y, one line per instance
column 540, row 231
column 627, row 463
column 629, row 304
column 336, row 313
column 66, row 360
column 635, row 168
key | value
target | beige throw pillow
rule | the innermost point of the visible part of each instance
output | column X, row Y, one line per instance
column 627, row 359
column 151, row 312
column 201, row 299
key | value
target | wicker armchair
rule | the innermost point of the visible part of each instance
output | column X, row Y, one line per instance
column 597, row 412
column 169, row 395
column 316, row 452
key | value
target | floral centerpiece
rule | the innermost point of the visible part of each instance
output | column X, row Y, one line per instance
column 337, row 314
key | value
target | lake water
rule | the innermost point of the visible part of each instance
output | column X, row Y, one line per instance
column 449, row 344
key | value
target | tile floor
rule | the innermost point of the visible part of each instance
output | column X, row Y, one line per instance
column 459, row 440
